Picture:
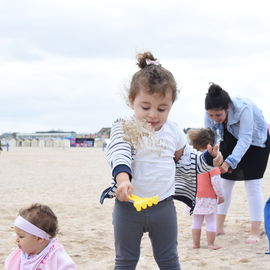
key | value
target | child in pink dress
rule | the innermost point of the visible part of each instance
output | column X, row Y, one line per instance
column 209, row 192
column 38, row 249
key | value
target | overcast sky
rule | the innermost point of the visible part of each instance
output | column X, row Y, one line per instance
column 65, row 65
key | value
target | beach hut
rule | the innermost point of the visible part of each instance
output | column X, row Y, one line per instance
column 44, row 139
column 84, row 140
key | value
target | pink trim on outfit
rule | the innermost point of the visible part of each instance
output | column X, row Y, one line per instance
column 53, row 257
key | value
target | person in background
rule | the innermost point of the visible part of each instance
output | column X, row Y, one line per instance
column 245, row 146
column 209, row 192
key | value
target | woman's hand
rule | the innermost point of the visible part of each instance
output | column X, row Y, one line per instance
column 216, row 154
column 124, row 187
column 225, row 167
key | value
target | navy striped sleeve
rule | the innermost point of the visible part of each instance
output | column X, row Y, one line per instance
column 121, row 168
column 208, row 158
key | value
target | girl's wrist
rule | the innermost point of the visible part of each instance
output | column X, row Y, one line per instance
column 122, row 178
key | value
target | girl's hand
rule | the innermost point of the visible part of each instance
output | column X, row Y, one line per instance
column 220, row 200
column 178, row 154
column 225, row 167
column 216, row 154
column 125, row 188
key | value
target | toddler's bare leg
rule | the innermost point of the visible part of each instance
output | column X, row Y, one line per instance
column 196, row 236
column 211, row 236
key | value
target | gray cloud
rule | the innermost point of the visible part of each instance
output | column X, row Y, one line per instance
column 65, row 64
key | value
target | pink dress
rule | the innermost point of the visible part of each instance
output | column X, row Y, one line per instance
column 53, row 257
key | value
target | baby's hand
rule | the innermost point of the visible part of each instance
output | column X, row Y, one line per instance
column 216, row 154
column 220, row 200
column 124, row 190
column 124, row 187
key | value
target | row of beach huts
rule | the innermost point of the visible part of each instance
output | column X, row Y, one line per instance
column 58, row 139
column 55, row 139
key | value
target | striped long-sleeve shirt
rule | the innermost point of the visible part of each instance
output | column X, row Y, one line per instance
column 120, row 155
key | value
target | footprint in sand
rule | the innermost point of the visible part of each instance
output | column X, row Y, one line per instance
column 244, row 260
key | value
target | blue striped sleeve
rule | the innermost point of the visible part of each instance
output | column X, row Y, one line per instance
column 121, row 168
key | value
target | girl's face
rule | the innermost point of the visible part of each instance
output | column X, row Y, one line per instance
column 153, row 108
column 27, row 242
column 219, row 116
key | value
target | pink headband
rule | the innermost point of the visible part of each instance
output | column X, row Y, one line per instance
column 28, row 227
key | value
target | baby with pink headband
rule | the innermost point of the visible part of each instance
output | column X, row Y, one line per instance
column 38, row 249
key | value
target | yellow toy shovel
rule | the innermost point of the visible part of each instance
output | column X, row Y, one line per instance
column 142, row 203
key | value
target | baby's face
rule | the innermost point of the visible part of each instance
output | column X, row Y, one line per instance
column 27, row 242
column 153, row 108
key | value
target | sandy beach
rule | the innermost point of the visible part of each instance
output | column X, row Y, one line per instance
column 70, row 181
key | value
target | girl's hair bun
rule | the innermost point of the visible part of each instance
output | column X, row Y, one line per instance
column 146, row 59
